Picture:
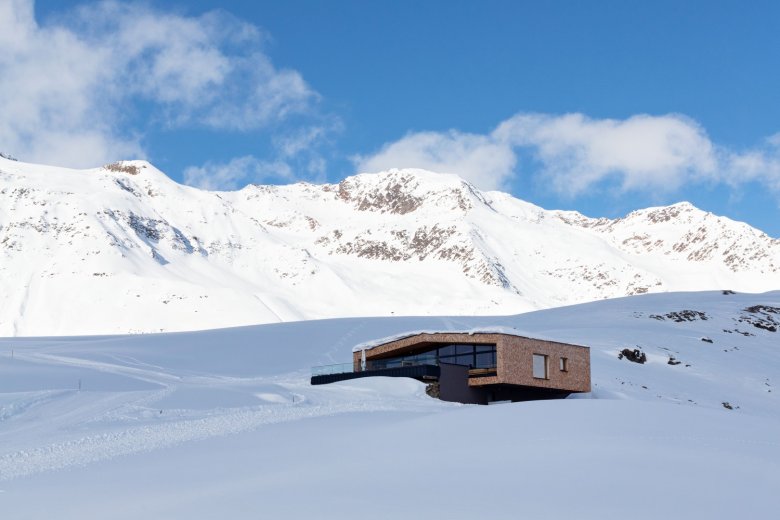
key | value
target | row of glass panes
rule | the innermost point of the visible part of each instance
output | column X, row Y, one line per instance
column 404, row 361
column 475, row 356
column 452, row 350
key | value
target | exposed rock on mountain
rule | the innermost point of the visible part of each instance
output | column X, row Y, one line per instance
column 123, row 248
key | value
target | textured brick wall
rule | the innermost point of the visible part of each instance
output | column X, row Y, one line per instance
column 515, row 364
column 514, row 353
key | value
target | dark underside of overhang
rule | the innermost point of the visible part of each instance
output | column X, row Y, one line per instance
column 420, row 372
column 451, row 382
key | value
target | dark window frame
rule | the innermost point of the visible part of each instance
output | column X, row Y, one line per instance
column 463, row 354
column 546, row 360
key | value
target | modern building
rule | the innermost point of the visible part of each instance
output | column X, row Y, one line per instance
column 472, row 367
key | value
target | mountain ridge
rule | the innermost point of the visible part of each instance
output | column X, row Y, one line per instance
column 123, row 248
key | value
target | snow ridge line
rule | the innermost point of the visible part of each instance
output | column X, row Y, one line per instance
column 86, row 450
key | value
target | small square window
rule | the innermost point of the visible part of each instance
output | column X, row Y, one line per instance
column 564, row 364
column 540, row 366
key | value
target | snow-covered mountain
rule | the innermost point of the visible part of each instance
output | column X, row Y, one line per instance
column 123, row 248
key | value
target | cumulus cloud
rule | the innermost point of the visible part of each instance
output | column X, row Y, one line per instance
column 480, row 159
column 573, row 154
column 68, row 87
column 760, row 164
column 641, row 152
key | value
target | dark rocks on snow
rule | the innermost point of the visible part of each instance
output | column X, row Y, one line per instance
column 762, row 317
column 635, row 355
column 707, row 340
column 681, row 316
column 765, row 326
column 144, row 227
column 764, row 309
column 126, row 186
column 673, row 361
column 727, row 331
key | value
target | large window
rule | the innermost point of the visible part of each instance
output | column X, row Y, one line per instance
column 472, row 356
column 540, row 366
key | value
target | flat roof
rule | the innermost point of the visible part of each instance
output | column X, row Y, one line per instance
column 509, row 331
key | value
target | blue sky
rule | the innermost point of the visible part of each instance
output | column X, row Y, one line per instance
column 603, row 106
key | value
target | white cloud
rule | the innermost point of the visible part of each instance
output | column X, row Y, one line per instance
column 297, row 156
column 574, row 154
column 480, row 159
column 236, row 173
column 68, row 87
column 760, row 164
column 774, row 141
column 641, row 152
column 301, row 140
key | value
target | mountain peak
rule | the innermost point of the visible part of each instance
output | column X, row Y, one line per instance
column 405, row 190
column 419, row 174
column 660, row 214
column 129, row 167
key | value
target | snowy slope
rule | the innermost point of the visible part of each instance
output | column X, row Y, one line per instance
column 224, row 422
column 124, row 249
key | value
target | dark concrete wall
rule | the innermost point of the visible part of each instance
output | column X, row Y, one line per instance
column 454, row 386
column 419, row 372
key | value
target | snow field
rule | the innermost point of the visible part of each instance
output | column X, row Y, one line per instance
column 224, row 423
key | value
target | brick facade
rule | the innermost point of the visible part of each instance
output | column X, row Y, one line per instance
column 514, row 359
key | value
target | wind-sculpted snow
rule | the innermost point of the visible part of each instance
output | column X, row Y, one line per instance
column 123, row 249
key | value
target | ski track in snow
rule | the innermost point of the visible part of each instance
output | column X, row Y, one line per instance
column 104, row 446
column 150, row 376
column 105, row 411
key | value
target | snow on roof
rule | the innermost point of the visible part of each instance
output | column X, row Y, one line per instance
column 368, row 345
